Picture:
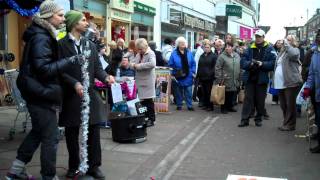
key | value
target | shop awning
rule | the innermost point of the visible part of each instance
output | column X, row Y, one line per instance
column 22, row 7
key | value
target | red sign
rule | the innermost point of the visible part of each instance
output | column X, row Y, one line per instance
column 245, row 33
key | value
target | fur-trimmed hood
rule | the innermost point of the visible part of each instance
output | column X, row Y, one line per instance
column 39, row 26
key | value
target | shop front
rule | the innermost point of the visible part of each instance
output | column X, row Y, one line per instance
column 119, row 20
column 2, row 32
column 142, row 21
column 197, row 29
column 95, row 12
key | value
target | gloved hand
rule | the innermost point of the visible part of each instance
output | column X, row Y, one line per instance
column 259, row 63
column 77, row 59
column 306, row 93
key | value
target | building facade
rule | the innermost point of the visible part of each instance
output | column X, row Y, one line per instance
column 143, row 20
column 194, row 21
column 237, row 17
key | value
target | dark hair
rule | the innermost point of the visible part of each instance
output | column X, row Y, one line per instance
column 229, row 44
column 117, row 55
column 168, row 41
column 152, row 45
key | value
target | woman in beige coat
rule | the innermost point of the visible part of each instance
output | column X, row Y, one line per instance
column 144, row 64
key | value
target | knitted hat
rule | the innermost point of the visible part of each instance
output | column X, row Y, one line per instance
column 48, row 8
column 72, row 18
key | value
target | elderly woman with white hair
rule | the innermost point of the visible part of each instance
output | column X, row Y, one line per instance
column 287, row 79
column 184, row 69
column 144, row 64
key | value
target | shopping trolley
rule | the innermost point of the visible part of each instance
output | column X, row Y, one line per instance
column 11, row 77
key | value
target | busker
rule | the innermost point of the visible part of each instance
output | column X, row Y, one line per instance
column 74, row 85
column 257, row 61
column 39, row 84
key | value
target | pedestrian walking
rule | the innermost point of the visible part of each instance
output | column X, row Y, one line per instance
column 257, row 62
column 312, row 86
column 39, row 84
column 184, row 69
column 144, row 65
column 70, row 117
column 205, row 75
column 228, row 72
column 287, row 79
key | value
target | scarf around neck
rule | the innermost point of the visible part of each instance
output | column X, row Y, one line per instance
column 184, row 61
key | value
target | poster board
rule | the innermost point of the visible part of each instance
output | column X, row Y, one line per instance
column 163, row 89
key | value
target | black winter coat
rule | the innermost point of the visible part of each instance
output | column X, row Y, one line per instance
column 38, row 80
column 71, row 106
column 206, row 67
column 159, row 58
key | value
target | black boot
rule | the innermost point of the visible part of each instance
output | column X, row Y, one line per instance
column 315, row 150
column 96, row 173
column 243, row 123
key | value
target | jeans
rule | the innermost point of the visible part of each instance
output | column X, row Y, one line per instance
column 45, row 132
column 182, row 93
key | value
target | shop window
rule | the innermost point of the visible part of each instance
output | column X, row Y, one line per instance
column 2, row 33
column 141, row 31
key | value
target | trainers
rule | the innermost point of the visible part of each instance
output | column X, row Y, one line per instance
column 22, row 176
column 190, row 109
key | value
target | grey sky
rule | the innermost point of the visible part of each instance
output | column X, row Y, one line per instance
column 281, row 13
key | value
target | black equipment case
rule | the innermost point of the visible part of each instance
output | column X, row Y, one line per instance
column 129, row 129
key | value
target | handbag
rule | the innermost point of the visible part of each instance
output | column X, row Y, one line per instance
column 180, row 74
column 241, row 96
column 218, row 94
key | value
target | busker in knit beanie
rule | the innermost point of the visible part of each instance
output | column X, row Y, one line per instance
column 71, row 115
column 38, row 82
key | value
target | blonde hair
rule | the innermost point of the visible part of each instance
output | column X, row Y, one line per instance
column 206, row 42
column 141, row 43
column 294, row 41
column 112, row 43
column 180, row 40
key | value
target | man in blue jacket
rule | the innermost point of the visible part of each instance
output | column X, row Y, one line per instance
column 257, row 61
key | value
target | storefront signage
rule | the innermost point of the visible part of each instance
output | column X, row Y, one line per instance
column 245, row 33
column 175, row 17
column 198, row 23
column 193, row 22
column 234, row 10
column 209, row 26
column 123, row 5
column 139, row 7
column 120, row 15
